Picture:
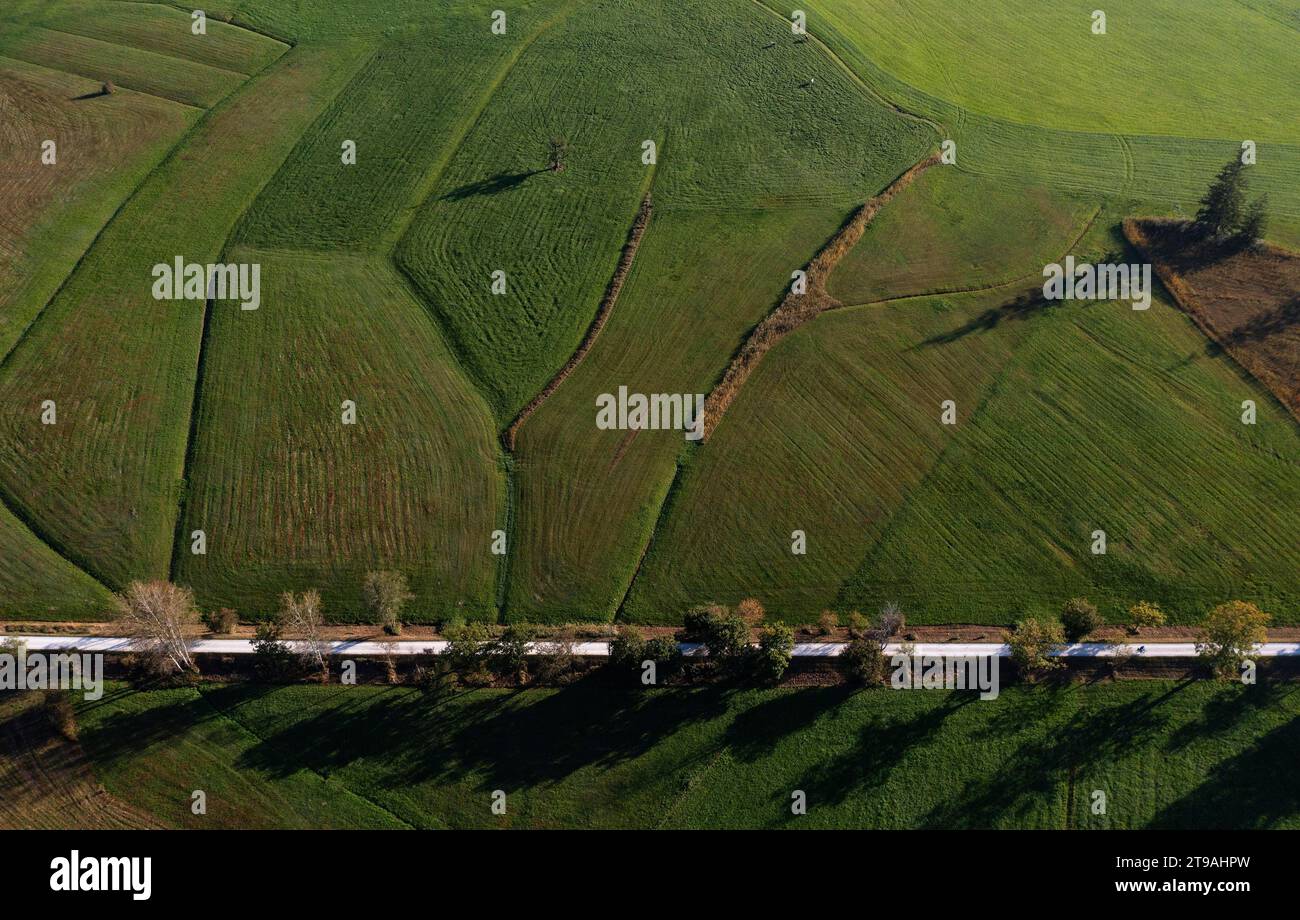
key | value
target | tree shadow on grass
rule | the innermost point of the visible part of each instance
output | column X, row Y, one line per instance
column 882, row 744
column 501, row 182
column 1023, row 307
column 1226, row 709
column 756, row 731
column 1254, row 789
column 510, row 740
column 1032, row 775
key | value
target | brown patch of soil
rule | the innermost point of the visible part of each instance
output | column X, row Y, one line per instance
column 796, row 309
column 1247, row 301
column 46, row 779
column 602, row 316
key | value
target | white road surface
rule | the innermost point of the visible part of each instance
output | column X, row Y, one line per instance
column 598, row 649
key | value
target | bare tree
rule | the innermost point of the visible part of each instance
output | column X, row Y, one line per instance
column 155, row 615
column 302, row 619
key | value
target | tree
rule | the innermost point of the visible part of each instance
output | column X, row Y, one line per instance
column 1079, row 618
column 751, row 611
column 156, row 616
column 1230, row 634
column 301, row 617
column 889, row 622
column 1145, row 614
column 1221, row 208
column 1255, row 224
column 508, row 655
column 627, row 650
column 467, row 652
column 726, row 636
column 775, row 650
column 385, row 594
column 1031, row 642
column 272, row 657
column 557, row 150
column 864, row 659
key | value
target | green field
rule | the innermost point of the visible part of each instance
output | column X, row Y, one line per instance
column 1174, row 755
column 378, row 288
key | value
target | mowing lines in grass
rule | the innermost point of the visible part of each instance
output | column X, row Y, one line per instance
column 291, row 498
column 104, row 482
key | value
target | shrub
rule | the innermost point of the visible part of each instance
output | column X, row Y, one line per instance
column 272, row 657
column 1145, row 614
column 827, row 623
column 61, row 713
column 508, row 655
column 864, row 660
column 556, row 662
column 663, row 651
column 627, row 650
column 751, row 611
column 775, row 649
column 1030, row 642
column 697, row 620
column 467, row 653
column 221, row 622
column 858, row 625
column 1079, row 618
column 385, row 594
column 1230, row 634
column 726, row 637
column 107, row 88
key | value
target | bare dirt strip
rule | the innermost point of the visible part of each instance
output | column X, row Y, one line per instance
column 597, row 324
column 1246, row 301
column 795, row 309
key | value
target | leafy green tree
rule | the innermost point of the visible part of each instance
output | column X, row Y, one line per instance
column 864, row 660
column 1230, row 634
column 1255, row 224
column 1031, row 643
column 1079, row 617
column 775, row 651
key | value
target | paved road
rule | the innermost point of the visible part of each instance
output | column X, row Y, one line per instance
column 598, row 649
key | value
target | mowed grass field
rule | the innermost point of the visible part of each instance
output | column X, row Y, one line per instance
column 105, row 481
column 290, row 497
column 1163, row 67
column 378, row 282
column 956, row 232
column 1176, row 755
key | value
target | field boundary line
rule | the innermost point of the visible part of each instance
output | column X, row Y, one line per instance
column 665, row 504
column 874, row 94
column 796, row 309
column 1011, row 282
column 192, row 423
column 171, row 57
column 1187, row 302
column 603, row 312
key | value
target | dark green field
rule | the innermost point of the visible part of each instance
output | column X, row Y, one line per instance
column 1165, row 754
